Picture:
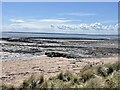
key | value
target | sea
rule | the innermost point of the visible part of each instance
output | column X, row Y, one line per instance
column 55, row 35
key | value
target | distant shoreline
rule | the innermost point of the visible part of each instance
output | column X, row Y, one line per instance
column 59, row 38
column 37, row 35
column 62, row 33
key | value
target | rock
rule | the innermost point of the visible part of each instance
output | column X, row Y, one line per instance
column 4, row 77
column 59, row 54
column 72, row 62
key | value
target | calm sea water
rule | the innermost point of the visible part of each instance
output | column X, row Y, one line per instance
column 55, row 35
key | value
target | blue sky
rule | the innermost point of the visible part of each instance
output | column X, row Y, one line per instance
column 82, row 17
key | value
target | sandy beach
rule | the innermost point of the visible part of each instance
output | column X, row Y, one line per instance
column 15, row 71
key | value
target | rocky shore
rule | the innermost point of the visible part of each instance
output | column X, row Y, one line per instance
column 13, row 48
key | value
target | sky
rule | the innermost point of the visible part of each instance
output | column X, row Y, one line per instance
column 61, row 17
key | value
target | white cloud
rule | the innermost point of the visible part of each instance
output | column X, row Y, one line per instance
column 78, row 14
column 59, row 25
column 16, row 20
column 55, row 20
column 58, row 20
column 92, row 26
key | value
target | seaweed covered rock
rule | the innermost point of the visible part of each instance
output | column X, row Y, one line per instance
column 59, row 54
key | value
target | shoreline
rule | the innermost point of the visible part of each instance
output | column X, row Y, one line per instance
column 49, row 57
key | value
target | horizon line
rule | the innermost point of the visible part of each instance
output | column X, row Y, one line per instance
column 58, row 33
